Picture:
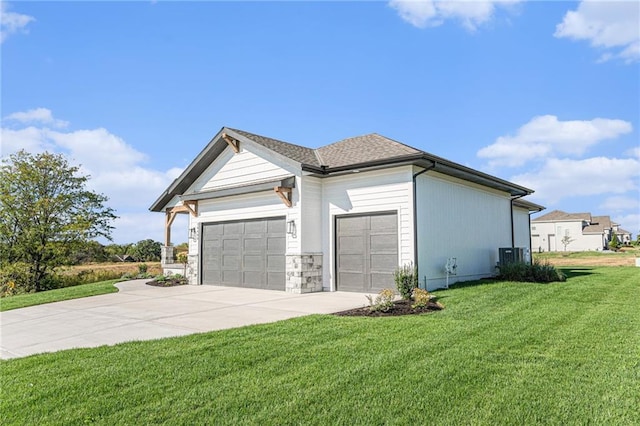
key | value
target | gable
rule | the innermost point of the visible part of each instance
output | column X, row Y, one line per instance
column 231, row 170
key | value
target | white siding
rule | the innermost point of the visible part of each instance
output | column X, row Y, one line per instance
column 521, row 230
column 231, row 169
column 367, row 192
column 547, row 236
column 461, row 220
column 309, row 228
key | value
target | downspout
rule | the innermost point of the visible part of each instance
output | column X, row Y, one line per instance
column 513, row 235
column 415, row 213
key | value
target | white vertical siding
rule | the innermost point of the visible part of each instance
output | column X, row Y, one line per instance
column 521, row 230
column 309, row 227
column 462, row 220
column 367, row 192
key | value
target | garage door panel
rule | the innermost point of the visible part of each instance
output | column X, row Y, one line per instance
column 253, row 263
column 351, row 244
column 352, row 263
column 254, row 244
column 387, row 243
column 383, row 262
column 366, row 252
column 384, row 223
column 247, row 253
column 354, row 225
column 275, row 263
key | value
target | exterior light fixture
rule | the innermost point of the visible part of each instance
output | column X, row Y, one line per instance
column 291, row 227
column 193, row 233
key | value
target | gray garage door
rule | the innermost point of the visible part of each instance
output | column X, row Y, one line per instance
column 247, row 253
column 366, row 252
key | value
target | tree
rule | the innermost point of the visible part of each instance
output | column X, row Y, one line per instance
column 147, row 251
column 566, row 240
column 614, row 243
column 46, row 214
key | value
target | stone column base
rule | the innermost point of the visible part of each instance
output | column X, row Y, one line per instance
column 304, row 273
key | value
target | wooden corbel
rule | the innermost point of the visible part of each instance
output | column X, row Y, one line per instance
column 285, row 194
column 233, row 143
column 192, row 206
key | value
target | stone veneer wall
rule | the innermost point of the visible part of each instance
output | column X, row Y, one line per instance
column 192, row 269
column 166, row 255
column 304, row 273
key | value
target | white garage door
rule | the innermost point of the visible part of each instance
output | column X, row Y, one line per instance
column 366, row 251
column 249, row 253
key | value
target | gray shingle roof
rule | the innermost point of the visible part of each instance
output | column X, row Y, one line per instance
column 372, row 150
column 363, row 149
column 297, row 153
column 559, row 215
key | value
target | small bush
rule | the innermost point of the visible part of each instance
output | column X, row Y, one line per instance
column 421, row 298
column 383, row 301
column 182, row 257
column 537, row 272
column 142, row 268
column 14, row 279
column 406, row 278
column 160, row 278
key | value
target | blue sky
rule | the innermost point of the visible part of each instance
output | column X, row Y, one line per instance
column 545, row 94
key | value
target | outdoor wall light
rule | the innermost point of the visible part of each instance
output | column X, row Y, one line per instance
column 193, row 233
column 291, row 227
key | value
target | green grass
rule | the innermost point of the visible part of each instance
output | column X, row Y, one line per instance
column 500, row 353
column 57, row 295
column 627, row 252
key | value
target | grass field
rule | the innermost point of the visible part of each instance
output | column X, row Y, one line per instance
column 500, row 353
column 57, row 295
column 625, row 257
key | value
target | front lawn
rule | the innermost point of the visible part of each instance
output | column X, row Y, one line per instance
column 57, row 295
column 500, row 353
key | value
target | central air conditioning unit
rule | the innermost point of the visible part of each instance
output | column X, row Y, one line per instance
column 510, row 255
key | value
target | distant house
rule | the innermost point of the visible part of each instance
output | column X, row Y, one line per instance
column 559, row 231
column 269, row 214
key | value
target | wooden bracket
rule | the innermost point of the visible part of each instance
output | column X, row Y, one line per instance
column 190, row 206
column 285, row 194
column 233, row 143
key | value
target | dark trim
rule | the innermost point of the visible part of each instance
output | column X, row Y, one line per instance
column 513, row 232
column 288, row 182
column 415, row 215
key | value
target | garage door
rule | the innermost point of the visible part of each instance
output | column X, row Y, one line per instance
column 249, row 253
column 366, row 251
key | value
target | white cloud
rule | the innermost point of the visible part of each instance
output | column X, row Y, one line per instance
column 634, row 152
column 610, row 25
column 431, row 13
column 12, row 22
column 565, row 178
column 621, row 203
column 116, row 168
column 37, row 115
column 546, row 135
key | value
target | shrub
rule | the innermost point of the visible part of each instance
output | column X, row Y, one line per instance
column 383, row 301
column 160, row 278
column 421, row 298
column 14, row 279
column 142, row 268
column 406, row 278
column 538, row 272
column 182, row 257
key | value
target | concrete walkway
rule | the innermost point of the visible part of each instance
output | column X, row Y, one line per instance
column 142, row 312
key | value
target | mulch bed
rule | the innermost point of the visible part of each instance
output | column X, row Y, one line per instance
column 400, row 307
column 168, row 282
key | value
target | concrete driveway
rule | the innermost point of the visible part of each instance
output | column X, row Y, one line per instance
column 142, row 312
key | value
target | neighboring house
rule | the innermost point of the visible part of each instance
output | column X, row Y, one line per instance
column 581, row 232
column 269, row 214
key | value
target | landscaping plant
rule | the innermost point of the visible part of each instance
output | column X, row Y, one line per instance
column 406, row 278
